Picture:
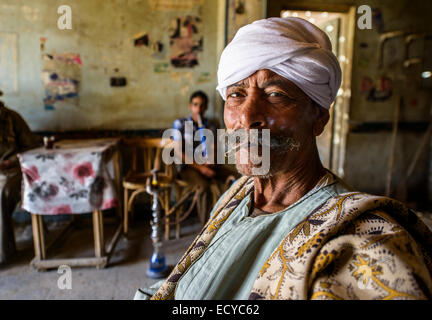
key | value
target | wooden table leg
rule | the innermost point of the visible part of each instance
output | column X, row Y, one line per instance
column 38, row 236
column 126, row 211
column 98, row 233
column 117, row 178
column 99, row 261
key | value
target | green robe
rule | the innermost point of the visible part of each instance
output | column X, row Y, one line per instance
column 233, row 259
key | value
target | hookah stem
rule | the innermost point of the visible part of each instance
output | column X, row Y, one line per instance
column 156, row 231
column 203, row 138
column 157, row 268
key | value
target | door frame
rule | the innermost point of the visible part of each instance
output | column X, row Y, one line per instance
column 340, row 115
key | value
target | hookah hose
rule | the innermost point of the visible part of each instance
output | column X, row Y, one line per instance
column 203, row 137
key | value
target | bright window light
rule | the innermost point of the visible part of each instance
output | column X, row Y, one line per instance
column 286, row 14
column 426, row 74
column 329, row 28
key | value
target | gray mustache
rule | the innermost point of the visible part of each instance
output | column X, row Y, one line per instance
column 278, row 142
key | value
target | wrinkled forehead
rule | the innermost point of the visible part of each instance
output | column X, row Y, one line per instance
column 265, row 78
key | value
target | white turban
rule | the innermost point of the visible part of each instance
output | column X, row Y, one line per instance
column 291, row 47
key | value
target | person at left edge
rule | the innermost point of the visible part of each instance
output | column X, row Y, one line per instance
column 15, row 137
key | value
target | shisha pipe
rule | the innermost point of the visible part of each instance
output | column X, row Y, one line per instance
column 158, row 268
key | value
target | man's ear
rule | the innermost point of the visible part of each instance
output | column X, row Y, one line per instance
column 322, row 118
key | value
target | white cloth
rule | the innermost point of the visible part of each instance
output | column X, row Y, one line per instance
column 292, row 48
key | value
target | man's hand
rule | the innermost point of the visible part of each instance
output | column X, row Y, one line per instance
column 5, row 164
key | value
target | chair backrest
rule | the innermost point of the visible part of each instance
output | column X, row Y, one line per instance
column 147, row 155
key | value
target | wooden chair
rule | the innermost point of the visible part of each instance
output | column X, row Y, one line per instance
column 149, row 150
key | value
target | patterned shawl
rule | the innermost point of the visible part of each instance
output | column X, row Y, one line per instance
column 354, row 246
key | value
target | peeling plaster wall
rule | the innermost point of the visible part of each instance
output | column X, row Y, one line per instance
column 102, row 34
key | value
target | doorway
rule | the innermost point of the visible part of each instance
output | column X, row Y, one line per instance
column 338, row 23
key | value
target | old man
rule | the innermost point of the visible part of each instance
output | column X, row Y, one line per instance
column 297, row 232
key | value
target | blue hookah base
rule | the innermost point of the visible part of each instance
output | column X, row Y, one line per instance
column 158, row 269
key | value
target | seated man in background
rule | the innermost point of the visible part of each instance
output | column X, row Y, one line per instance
column 15, row 137
column 297, row 231
column 208, row 177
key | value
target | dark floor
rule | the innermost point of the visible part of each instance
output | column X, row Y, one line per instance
column 125, row 273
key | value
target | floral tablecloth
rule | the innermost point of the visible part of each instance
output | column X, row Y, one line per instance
column 76, row 176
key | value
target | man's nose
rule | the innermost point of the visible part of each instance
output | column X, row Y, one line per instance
column 252, row 114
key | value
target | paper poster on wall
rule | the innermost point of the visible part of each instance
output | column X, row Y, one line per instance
column 61, row 76
column 379, row 90
column 8, row 62
column 161, row 67
column 157, row 49
column 204, row 77
column 186, row 41
column 169, row 5
column 142, row 39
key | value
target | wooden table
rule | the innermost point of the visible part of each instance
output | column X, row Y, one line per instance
column 75, row 177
